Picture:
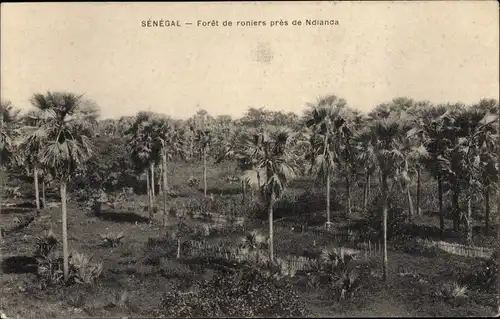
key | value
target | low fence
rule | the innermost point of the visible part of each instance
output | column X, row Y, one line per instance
column 365, row 251
column 461, row 250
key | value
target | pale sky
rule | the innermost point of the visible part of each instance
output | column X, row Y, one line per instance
column 437, row 51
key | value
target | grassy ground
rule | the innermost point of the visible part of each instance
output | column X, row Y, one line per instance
column 132, row 286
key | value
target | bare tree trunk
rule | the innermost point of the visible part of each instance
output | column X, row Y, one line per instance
column 64, row 220
column 384, row 225
column 165, row 187
column 419, row 211
column 441, row 212
column 348, row 185
column 37, row 192
column 328, row 200
column 271, row 248
column 487, row 210
column 205, row 172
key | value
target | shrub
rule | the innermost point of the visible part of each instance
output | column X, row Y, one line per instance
column 245, row 293
column 86, row 271
column 112, row 239
column 255, row 239
column 50, row 269
column 46, row 244
column 483, row 275
column 415, row 246
column 173, row 269
column 81, row 270
column 452, row 290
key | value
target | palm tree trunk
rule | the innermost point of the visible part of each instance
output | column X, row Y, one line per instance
column 64, row 230
column 261, row 191
column 150, row 202
column 160, row 179
column 365, row 192
column 410, row 201
column 487, row 210
column 152, row 165
column 44, row 200
column 455, row 209
column 37, row 192
column 469, row 220
column 419, row 211
column 271, row 248
column 243, row 186
column 348, row 185
column 165, row 187
column 441, row 212
column 384, row 224
column 205, row 172
column 328, row 200
column 178, row 248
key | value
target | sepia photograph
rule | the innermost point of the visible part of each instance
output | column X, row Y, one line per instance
column 249, row 159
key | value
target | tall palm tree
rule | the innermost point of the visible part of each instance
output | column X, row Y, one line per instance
column 9, row 133
column 67, row 125
column 386, row 136
column 32, row 144
column 435, row 126
column 144, row 144
column 327, row 123
column 203, row 139
column 476, row 133
column 279, row 166
column 168, row 135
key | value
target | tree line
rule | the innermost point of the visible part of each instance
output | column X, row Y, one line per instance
column 394, row 144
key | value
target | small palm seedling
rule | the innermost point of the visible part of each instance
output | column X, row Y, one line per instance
column 112, row 239
column 46, row 243
column 86, row 271
column 349, row 283
column 452, row 290
column 254, row 240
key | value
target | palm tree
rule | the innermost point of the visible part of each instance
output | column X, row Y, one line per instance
column 168, row 134
column 327, row 123
column 67, row 125
column 203, row 139
column 279, row 166
column 144, row 144
column 386, row 136
column 434, row 125
column 33, row 144
column 476, row 133
column 9, row 132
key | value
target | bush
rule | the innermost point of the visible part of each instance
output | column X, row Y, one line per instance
column 82, row 269
column 112, row 239
column 412, row 245
column 245, row 293
column 45, row 244
column 483, row 276
column 173, row 269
